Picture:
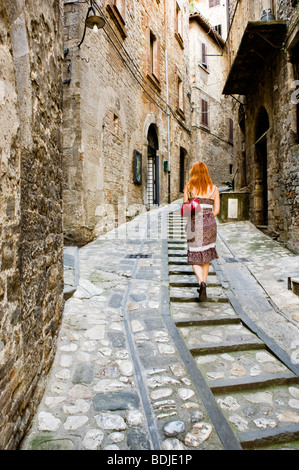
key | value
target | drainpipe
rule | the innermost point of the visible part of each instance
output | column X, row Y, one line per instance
column 168, row 126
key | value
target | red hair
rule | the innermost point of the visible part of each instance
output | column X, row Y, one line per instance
column 200, row 179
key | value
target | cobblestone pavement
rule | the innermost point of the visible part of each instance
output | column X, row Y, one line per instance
column 118, row 381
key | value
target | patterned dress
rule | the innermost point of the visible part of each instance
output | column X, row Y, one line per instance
column 202, row 233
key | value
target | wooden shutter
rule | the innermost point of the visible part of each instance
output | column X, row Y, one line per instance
column 204, row 112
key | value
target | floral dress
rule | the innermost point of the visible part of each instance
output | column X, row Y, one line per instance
column 202, row 233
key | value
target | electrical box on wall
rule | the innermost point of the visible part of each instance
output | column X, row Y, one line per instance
column 165, row 165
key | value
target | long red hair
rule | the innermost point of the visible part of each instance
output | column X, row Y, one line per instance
column 200, row 179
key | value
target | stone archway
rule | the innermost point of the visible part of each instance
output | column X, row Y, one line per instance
column 153, row 176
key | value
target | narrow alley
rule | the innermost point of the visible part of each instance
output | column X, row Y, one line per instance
column 113, row 113
column 142, row 365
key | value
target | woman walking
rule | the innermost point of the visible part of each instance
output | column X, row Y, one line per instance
column 201, row 227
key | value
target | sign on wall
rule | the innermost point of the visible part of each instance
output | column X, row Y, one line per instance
column 137, row 163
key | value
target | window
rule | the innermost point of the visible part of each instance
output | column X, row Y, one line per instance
column 214, row 3
column 154, row 55
column 231, row 131
column 181, row 94
column 204, row 113
column 179, row 21
column 153, row 47
column 153, row 73
column 117, row 11
column 179, row 25
column 204, row 55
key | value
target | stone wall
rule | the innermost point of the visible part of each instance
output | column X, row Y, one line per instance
column 271, row 96
column 31, row 241
column 110, row 103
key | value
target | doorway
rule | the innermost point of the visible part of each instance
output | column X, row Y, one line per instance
column 182, row 170
column 152, row 167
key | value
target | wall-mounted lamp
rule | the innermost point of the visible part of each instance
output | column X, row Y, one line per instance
column 92, row 20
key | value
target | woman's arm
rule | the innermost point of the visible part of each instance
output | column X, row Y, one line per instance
column 186, row 197
column 216, row 208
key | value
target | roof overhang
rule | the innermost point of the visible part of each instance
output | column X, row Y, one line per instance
column 260, row 41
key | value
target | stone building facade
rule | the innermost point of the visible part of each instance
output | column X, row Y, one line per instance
column 31, row 239
column 119, row 112
column 216, row 12
column 212, row 113
column 263, row 75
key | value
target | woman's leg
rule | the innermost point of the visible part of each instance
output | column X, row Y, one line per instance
column 198, row 273
column 201, row 272
column 205, row 272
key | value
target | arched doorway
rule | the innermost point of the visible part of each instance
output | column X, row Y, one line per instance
column 152, row 167
column 261, row 168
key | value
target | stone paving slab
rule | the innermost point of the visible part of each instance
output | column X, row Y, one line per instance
column 118, row 381
column 261, row 283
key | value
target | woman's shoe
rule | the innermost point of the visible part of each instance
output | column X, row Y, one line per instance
column 202, row 292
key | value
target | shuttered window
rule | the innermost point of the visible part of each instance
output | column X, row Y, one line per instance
column 204, row 113
column 204, row 54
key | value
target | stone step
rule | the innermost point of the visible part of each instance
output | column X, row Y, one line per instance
column 202, row 310
column 177, row 254
column 225, row 320
column 198, row 336
column 249, row 383
column 225, row 346
column 178, row 248
column 194, row 299
column 177, row 238
column 189, row 294
column 186, row 272
column 194, row 283
column 239, row 364
column 180, row 230
column 188, row 281
column 283, row 437
column 262, row 416
column 178, row 261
